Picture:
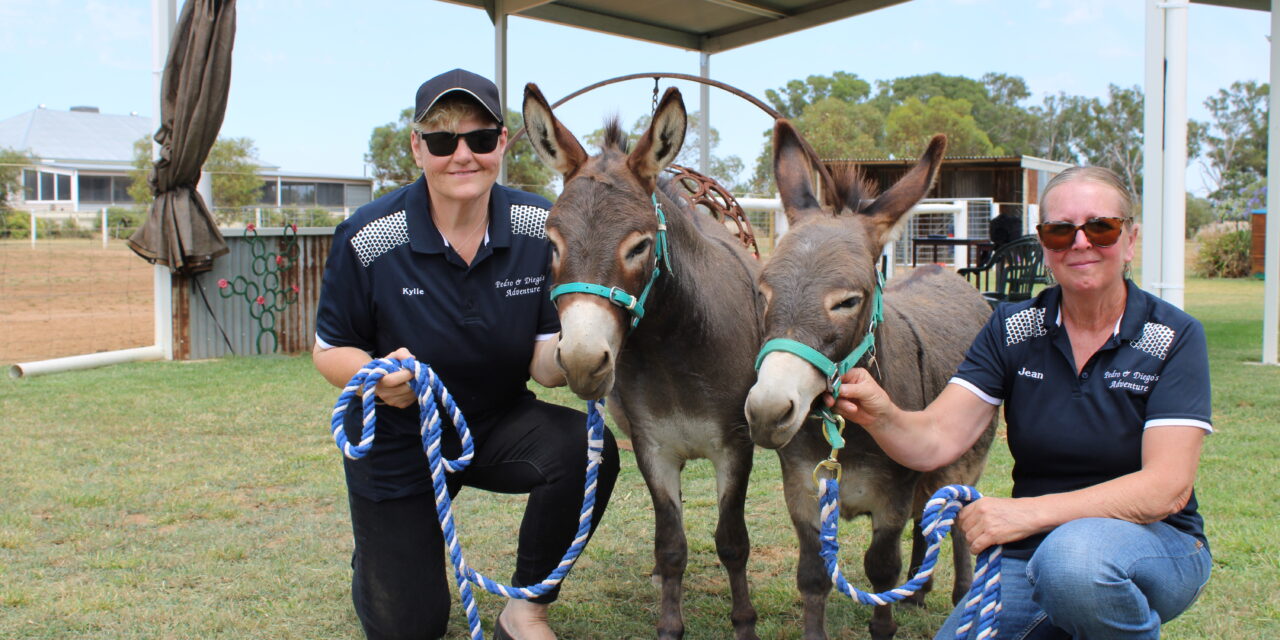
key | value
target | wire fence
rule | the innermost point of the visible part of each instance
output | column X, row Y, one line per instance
column 69, row 284
column 68, row 294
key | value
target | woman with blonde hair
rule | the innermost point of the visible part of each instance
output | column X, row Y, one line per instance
column 1106, row 398
column 453, row 270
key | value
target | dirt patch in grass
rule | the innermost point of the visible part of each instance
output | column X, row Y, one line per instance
column 71, row 297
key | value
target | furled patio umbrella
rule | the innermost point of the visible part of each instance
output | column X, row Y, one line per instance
column 180, row 231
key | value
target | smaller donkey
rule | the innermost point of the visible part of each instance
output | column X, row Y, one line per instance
column 820, row 288
column 658, row 311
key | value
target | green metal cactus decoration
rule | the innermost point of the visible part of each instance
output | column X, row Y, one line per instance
column 266, row 294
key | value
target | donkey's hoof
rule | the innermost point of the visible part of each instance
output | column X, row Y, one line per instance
column 882, row 631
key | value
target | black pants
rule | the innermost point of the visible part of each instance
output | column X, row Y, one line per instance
column 401, row 585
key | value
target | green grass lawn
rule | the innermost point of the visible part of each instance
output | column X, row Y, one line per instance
column 191, row 500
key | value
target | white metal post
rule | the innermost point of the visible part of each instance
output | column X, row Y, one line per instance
column 960, row 253
column 1173, row 222
column 163, row 16
column 500, row 66
column 704, row 122
column 104, row 227
column 1152, row 150
column 1271, row 243
column 33, row 229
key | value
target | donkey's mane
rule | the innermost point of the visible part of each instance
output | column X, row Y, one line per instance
column 854, row 189
column 614, row 136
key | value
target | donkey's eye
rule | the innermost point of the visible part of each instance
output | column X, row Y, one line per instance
column 847, row 303
column 639, row 249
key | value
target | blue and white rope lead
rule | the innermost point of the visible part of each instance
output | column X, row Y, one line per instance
column 983, row 600
column 428, row 388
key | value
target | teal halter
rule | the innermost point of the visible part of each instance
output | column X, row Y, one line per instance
column 833, row 371
column 634, row 305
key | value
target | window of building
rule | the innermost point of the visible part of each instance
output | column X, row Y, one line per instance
column 358, row 195
column 104, row 189
column 328, row 194
column 95, row 189
column 45, row 185
column 298, row 193
column 30, row 184
column 120, row 189
column 268, row 193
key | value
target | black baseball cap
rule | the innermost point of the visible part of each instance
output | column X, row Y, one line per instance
column 480, row 88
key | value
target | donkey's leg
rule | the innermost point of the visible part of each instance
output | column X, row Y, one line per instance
column 963, row 566
column 733, row 543
column 883, row 565
column 670, row 550
column 811, row 574
column 918, row 549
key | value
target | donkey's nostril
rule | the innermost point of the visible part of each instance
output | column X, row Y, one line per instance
column 787, row 415
column 603, row 367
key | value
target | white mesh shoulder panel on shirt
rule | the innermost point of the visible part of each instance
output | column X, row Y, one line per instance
column 1024, row 325
column 528, row 220
column 1155, row 340
column 379, row 237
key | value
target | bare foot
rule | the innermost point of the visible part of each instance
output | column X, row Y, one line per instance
column 526, row 620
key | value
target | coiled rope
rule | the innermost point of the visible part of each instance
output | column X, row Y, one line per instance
column 428, row 388
column 980, row 617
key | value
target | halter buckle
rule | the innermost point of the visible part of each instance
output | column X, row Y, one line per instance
column 617, row 296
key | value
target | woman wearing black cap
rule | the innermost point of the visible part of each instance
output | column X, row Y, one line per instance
column 453, row 270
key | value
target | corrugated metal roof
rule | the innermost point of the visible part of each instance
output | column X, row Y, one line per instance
column 74, row 135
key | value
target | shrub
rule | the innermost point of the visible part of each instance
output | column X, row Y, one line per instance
column 1199, row 213
column 1223, row 253
column 15, row 224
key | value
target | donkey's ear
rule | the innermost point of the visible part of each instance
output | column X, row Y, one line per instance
column 890, row 207
column 659, row 146
column 793, row 172
column 555, row 145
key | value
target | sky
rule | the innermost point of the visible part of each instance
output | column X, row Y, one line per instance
column 311, row 79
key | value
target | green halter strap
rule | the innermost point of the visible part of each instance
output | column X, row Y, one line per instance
column 633, row 304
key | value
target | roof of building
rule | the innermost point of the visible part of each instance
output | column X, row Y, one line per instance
column 84, row 139
column 74, row 135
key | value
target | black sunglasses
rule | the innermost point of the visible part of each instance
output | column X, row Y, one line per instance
column 444, row 143
column 1060, row 235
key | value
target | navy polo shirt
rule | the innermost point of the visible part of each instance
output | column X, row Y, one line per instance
column 393, row 281
column 1069, row 431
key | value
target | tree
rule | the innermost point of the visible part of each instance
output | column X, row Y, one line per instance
column 838, row 129
column 230, row 165
column 393, row 165
column 234, row 172
column 1010, row 126
column 724, row 170
column 1061, row 124
column 1235, row 140
column 524, row 169
column 1113, row 138
column 910, row 125
column 390, row 155
column 140, row 175
column 891, row 93
column 792, row 99
column 11, row 163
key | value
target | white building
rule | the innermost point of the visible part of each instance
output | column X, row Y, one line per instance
column 82, row 159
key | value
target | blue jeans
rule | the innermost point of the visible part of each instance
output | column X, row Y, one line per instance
column 1097, row 579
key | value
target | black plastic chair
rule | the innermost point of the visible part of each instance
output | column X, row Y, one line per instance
column 1011, row 272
